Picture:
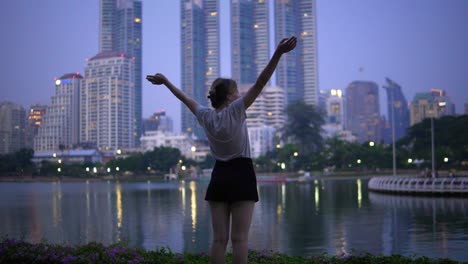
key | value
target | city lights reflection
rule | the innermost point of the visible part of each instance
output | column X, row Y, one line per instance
column 359, row 192
column 193, row 203
column 182, row 192
column 118, row 192
column 283, row 195
column 316, row 198
column 57, row 203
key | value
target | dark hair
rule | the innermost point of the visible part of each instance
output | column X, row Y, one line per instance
column 219, row 91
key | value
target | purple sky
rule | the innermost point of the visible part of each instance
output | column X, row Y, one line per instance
column 420, row 44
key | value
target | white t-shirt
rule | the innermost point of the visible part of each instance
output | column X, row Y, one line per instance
column 226, row 130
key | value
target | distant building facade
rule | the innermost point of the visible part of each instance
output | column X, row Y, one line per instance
column 120, row 30
column 363, row 111
column 398, row 111
column 297, row 73
column 12, row 126
column 431, row 104
column 466, row 108
column 69, row 156
column 261, row 140
column 107, row 102
column 183, row 142
column 334, row 108
column 268, row 109
column 60, row 127
column 333, row 105
column 158, row 121
column 35, row 119
column 200, row 46
column 250, row 35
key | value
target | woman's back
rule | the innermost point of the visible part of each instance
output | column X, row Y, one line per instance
column 226, row 130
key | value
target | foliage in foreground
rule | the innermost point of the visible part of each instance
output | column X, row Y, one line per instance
column 19, row 251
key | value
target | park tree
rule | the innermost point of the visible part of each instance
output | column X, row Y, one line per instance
column 449, row 136
column 303, row 127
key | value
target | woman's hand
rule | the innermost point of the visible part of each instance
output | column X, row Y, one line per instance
column 287, row 44
column 158, row 78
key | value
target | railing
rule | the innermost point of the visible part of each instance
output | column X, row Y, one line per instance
column 419, row 185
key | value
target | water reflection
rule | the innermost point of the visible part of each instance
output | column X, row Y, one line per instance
column 327, row 216
column 57, row 203
column 193, row 204
column 359, row 192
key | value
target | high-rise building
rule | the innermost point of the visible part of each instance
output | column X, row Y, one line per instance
column 332, row 103
column 334, row 108
column 297, row 72
column 268, row 109
column 120, row 30
column 12, row 124
column 200, row 45
column 398, row 111
column 363, row 111
column 261, row 140
column 34, row 120
column 60, row 126
column 158, row 121
column 250, row 37
column 431, row 104
column 107, row 101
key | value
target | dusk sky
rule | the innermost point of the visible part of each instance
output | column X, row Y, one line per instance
column 420, row 44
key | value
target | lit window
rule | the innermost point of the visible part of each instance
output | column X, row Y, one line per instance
column 213, row 13
column 137, row 20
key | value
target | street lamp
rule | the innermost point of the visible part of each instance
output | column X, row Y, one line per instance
column 439, row 105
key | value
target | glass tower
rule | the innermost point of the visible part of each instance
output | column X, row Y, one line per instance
column 397, row 101
column 199, row 55
column 120, row 30
column 249, row 39
column 297, row 72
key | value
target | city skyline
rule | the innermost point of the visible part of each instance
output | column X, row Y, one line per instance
column 418, row 44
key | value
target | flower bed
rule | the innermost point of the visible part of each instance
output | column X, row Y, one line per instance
column 19, row 251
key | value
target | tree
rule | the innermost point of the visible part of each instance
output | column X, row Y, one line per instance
column 450, row 140
column 303, row 127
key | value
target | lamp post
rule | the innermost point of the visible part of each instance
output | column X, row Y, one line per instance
column 391, row 92
column 393, row 133
column 439, row 105
column 432, row 147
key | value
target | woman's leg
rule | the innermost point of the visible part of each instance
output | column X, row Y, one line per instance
column 241, row 218
column 220, row 222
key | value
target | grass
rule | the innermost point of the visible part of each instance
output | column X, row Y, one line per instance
column 20, row 251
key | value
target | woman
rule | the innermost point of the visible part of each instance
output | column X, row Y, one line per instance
column 232, row 191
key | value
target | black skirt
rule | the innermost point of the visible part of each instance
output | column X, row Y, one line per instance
column 232, row 181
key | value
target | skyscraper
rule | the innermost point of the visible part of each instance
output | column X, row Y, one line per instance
column 12, row 122
column 60, row 127
column 297, row 72
column 199, row 55
column 250, row 51
column 34, row 120
column 107, row 101
column 363, row 111
column 435, row 103
column 400, row 112
column 120, row 30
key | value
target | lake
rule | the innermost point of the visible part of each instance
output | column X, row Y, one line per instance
column 325, row 216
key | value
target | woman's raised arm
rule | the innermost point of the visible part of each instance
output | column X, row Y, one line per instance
column 159, row 79
column 286, row 45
